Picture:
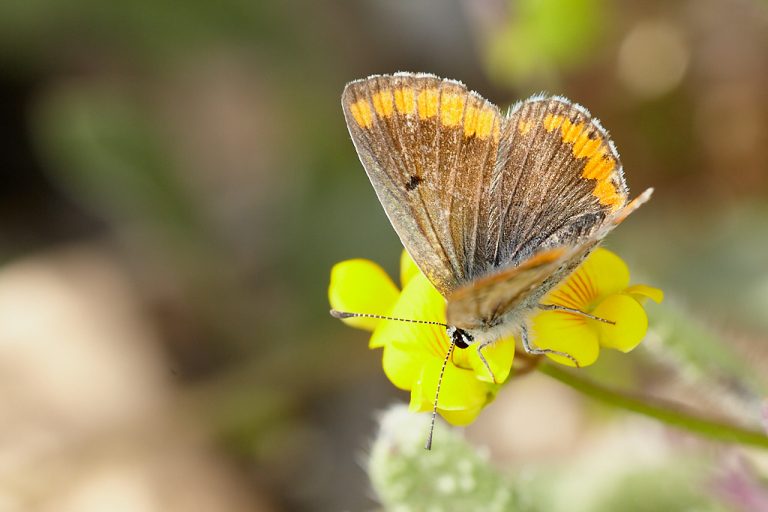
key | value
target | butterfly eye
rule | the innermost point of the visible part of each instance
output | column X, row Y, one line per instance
column 461, row 338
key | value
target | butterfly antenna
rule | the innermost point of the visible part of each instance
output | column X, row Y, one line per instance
column 344, row 314
column 428, row 446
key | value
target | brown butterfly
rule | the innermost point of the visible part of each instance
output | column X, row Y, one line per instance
column 495, row 209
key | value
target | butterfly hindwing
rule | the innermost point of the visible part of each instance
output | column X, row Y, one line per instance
column 429, row 147
column 484, row 303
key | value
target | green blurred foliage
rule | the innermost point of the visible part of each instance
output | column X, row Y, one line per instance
column 541, row 39
column 110, row 154
column 155, row 31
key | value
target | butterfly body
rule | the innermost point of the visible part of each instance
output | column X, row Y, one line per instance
column 485, row 330
column 494, row 209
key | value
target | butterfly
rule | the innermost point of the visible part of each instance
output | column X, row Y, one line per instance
column 495, row 209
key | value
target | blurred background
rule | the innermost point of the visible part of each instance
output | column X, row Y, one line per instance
column 177, row 181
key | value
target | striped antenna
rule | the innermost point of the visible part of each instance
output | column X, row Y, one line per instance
column 344, row 314
column 428, row 446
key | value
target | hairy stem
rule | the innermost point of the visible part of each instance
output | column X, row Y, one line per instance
column 666, row 412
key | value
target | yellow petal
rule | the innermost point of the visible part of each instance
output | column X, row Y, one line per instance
column 499, row 356
column 463, row 417
column 402, row 367
column 631, row 322
column 601, row 274
column 408, row 268
column 643, row 291
column 418, row 301
column 361, row 286
column 460, row 391
column 565, row 332
column 607, row 271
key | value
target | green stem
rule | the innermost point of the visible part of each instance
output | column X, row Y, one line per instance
column 668, row 413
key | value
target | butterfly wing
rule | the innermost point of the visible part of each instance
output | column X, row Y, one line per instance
column 483, row 303
column 483, row 203
column 558, row 179
column 558, row 190
column 429, row 147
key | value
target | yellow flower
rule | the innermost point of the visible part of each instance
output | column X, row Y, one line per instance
column 600, row 287
column 413, row 353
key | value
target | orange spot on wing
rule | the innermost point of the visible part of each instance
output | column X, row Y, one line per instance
column 524, row 127
column 405, row 100
column 552, row 121
column 599, row 167
column 487, row 123
column 383, row 103
column 586, row 146
column 452, row 107
column 481, row 122
column 606, row 193
column 427, row 101
column 470, row 121
column 361, row 112
column 571, row 131
column 589, row 145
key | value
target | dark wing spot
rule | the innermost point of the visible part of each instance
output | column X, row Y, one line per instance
column 412, row 183
column 592, row 135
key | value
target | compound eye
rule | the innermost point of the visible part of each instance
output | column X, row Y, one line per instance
column 461, row 337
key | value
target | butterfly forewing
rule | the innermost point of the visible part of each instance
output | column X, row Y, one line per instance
column 429, row 147
column 558, row 178
column 558, row 189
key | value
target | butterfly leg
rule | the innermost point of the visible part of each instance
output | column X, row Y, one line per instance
column 557, row 307
column 480, row 347
column 541, row 351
